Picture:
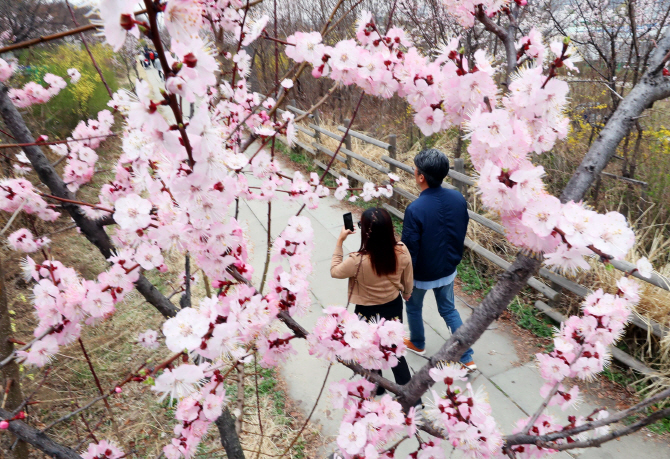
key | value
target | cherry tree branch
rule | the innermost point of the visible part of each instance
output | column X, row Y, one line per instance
column 610, row 436
column 88, row 50
column 92, row 230
column 38, row 439
column 653, row 86
column 521, row 439
column 505, row 37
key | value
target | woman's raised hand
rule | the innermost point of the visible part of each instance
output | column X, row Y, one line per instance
column 345, row 233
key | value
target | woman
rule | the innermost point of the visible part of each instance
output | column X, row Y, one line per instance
column 379, row 274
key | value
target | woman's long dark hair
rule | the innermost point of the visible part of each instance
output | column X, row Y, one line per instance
column 378, row 241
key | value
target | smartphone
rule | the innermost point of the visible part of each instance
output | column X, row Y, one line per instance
column 348, row 221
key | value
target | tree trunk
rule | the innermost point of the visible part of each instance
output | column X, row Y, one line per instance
column 229, row 438
column 653, row 86
column 10, row 372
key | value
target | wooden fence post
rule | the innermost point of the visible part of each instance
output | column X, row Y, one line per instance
column 317, row 121
column 392, row 150
column 459, row 166
column 393, row 153
column 347, row 144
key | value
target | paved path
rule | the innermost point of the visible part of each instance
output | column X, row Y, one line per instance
column 513, row 389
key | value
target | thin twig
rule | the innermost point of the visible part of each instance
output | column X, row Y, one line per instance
column 11, row 220
column 316, row 402
column 83, row 39
column 13, row 355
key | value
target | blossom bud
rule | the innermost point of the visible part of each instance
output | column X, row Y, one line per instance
column 177, row 66
column 21, row 415
column 127, row 21
column 462, row 50
column 42, row 138
column 117, row 389
column 566, row 40
column 666, row 72
column 4, row 425
column 190, row 60
column 317, row 72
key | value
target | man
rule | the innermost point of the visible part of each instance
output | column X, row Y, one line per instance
column 434, row 232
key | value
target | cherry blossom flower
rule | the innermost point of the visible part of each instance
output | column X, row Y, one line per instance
column 74, row 75
column 644, row 268
column 102, row 450
column 6, row 70
column 180, row 382
column 132, row 212
column 117, row 18
column 185, row 330
column 41, row 352
column 22, row 240
column 149, row 339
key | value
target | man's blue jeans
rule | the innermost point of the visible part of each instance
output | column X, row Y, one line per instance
column 445, row 306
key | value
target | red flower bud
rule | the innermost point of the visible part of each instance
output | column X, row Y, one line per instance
column 190, row 60
column 127, row 21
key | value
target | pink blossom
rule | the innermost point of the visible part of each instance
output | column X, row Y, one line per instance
column 102, row 450
column 185, row 330
column 644, row 268
column 542, row 214
column 41, row 352
column 429, row 120
column 149, row 339
column 116, row 15
column 132, row 212
column 6, row 70
column 74, row 75
column 352, row 437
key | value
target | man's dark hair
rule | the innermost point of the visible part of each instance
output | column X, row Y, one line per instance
column 433, row 165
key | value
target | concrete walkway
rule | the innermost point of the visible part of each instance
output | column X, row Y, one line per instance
column 513, row 389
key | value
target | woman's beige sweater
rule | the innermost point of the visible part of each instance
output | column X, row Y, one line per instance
column 366, row 287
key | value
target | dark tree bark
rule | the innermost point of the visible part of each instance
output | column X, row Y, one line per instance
column 38, row 439
column 229, row 438
column 92, row 230
column 10, row 372
column 652, row 86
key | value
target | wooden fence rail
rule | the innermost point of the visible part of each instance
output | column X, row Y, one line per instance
column 462, row 182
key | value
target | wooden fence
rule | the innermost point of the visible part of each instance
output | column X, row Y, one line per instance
column 461, row 182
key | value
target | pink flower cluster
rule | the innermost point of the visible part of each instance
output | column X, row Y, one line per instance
column 63, row 301
column 80, row 149
column 102, row 450
column 369, row 424
column 20, row 194
column 503, row 132
column 581, row 351
column 464, row 10
column 196, row 413
column 441, row 92
column 221, row 325
column 464, row 415
column 288, row 290
column 34, row 93
column 6, row 70
column 23, row 240
column 341, row 334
